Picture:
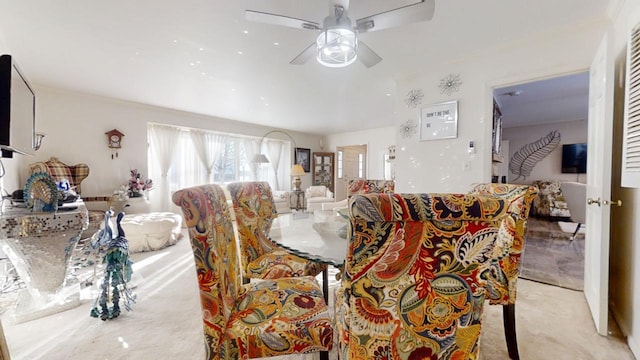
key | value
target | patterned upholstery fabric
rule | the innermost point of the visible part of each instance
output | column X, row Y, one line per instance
column 550, row 201
column 370, row 187
column 254, row 208
column 271, row 317
column 413, row 285
column 502, row 289
column 59, row 170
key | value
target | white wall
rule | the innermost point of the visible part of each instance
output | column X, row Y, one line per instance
column 76, row 123
column 439, row 166
column 550, row 167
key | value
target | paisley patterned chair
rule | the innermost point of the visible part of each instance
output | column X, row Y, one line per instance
column 261, row 259
column 269, row 318
column 414, row 279
column 362, row 186
column 504, row 274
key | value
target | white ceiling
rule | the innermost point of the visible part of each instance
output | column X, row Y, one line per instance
column 184, row 54
column 559, row 99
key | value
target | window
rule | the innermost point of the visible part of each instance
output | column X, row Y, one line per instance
column 230, row 159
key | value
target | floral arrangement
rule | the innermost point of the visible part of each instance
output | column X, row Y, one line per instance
column 137, row 185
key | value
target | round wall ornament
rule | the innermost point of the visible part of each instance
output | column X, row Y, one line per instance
column 450, row 84
column 414, row 98
column 408, row 128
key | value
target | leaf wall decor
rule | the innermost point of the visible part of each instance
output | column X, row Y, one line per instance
column 525, row 159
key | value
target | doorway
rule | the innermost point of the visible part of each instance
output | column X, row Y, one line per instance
column 351, row 163
column 529, row 113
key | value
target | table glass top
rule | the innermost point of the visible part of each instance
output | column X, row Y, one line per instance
column 320, row 236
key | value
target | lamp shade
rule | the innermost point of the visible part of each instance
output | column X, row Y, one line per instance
column 297, row 170
column 260, row 159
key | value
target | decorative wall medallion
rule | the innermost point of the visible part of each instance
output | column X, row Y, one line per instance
column 414, row 98
column 525, row 159
column 408, row 128
column 450, row 84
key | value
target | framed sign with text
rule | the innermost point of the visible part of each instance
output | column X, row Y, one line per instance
column 439, row 121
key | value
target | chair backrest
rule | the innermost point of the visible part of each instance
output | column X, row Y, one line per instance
column 59, row 171
column 255, row 210
column 368, row 186
column 575, row 194
column 414, row 271
column 519, row 198
column 215, row 253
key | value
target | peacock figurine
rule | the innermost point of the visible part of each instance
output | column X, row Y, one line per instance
column 117, row 271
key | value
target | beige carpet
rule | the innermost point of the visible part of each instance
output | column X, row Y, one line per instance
column 552, row 322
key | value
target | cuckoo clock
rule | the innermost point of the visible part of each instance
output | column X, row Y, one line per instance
column 114, row 141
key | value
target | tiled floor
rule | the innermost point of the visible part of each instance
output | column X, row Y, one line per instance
column 550, row 257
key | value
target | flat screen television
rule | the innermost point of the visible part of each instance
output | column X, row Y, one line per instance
column 17, row 110
column 574, row 158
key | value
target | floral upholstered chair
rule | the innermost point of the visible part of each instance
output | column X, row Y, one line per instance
column 255, row 210
column 504, row 274
column 363, row 186
column 268, row 318
column 413, row 284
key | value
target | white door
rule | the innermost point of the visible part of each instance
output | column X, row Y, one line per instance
column 599, row 152
column 351, row 164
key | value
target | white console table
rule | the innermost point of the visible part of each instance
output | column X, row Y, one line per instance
column 39, row 246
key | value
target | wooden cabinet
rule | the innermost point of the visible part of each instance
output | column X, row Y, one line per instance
column 323, row 169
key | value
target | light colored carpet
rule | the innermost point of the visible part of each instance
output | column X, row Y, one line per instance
column 552, row 322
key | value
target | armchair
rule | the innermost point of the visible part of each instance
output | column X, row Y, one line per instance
column 268, row 318
column 576, row 195
column 317, row 195
column 413, row 283
column 75, row 174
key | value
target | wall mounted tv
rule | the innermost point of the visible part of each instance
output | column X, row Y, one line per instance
column 17, row 110
column 574, row 158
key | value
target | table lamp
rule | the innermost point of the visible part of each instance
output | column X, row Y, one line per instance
column 296, row 172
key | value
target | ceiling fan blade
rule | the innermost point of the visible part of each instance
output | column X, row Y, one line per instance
column 367, row 56
column 281, row 20
column 305, row 55
column 422, row 11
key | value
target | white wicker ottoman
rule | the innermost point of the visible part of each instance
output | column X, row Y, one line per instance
column 151, row 231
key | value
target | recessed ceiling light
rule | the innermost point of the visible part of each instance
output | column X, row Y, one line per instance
column 201, row 49
column 198, row 62
column 276, row 43
column 246, row 31
column 388, row 94
column 192, row 64
column 233, row 90
column 261, row 97
column 203, row 73
column 175, row 41
column 240, row 53
column 266, row 104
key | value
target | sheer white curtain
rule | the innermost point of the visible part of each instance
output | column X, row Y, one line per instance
column 274, row 152
column 209, row 146
column 251, row 150
column 162, row 140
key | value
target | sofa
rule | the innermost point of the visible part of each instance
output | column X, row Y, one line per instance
column 550, row 202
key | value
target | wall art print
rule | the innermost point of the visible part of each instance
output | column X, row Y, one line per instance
column 526, row 158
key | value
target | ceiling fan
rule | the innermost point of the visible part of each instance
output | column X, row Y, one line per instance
column 337, row 45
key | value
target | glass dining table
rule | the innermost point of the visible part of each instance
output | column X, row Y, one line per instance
column 320, row 236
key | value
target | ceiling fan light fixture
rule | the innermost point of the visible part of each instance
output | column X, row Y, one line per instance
column 337, row 47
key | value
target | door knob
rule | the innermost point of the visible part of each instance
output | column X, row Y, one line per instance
column 591, row 201
column 612, row 202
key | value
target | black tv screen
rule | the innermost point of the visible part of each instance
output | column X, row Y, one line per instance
column 574, row 158
column 17, row 110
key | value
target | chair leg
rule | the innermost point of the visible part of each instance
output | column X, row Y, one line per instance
column 575, row 232
column 509, row 320
column 325, row 284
